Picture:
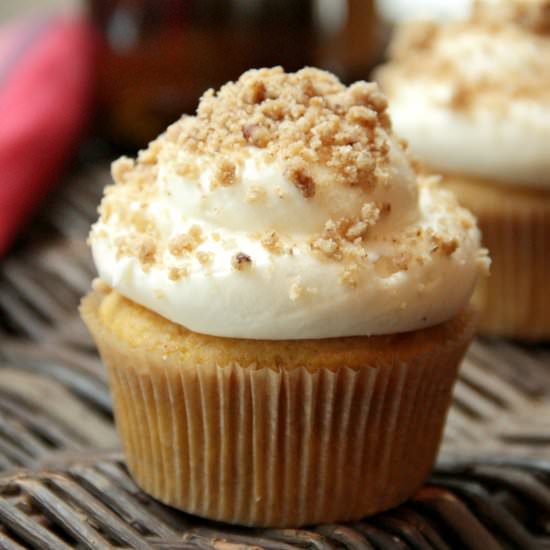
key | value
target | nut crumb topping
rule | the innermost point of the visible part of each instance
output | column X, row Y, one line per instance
column 349, row 276
column 141, row 246
column 180, row 244
column 425, row 49
column 308, row 116
column 445, row 247
column 298, row 291
column 205, row 258
column 122, row 168
column 241, row 261
column 302, row 180
column 271, row 242
column 177, row 273
column 225, row 173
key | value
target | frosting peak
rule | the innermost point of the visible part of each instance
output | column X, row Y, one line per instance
column 286, row 208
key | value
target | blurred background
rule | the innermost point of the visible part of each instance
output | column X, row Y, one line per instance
column 82, row 81
column 85, row 80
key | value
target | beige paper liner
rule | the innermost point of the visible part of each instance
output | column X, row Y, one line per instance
column 279, row 448
column 515, row 223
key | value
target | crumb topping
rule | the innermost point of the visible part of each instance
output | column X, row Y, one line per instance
column 205, row 258
column 225, row 172
column 177, row 273
column 143, row 247
column 241, row 261
column 533, row 15
column 297, row 173
column 298, row 291
column 271, row 242
column 180, row 244
column 429, row 49
column 349, row 276
column 299, row 118
column 347, row 236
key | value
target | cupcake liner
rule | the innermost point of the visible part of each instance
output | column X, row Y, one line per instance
column 286, row 447
column 515, row 224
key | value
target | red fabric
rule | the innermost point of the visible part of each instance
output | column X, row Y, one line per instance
column 45, row 92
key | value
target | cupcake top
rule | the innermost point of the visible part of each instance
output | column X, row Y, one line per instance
column 473, row 97
column 286, row 209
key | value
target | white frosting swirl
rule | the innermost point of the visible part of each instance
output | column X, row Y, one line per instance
column 403, row 10
column 414, row 267
column 473, row 98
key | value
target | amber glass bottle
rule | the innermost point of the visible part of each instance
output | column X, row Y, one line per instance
column 157, row 56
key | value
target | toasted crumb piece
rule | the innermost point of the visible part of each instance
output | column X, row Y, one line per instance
column 225, row 173
column 402, row 261
column 188, row 170
column 121, row 168
column 143, row 247
column 349, row 276
column 270, row 241
column 195, row 232
column 150, row 155
column 177, row 273
column 241, row 261
column 302, row 180
column 256, row 135
column 386, row 266
column 362, row 115
column 180, row 244
column 298, row 291
column 255, row 92
column 357, row 230
column 100, row 286
column 329, row 247
column 205, row 258
column 442, row 246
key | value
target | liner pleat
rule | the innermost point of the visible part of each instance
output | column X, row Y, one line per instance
column 281, row 447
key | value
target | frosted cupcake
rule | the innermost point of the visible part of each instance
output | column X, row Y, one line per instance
column 282, row 305
column 473, row 100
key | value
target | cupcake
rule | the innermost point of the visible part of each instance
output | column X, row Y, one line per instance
column 473, row 100
column 282, row 305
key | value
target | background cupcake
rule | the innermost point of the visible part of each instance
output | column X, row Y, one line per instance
column 473, row 100
column 282, row 305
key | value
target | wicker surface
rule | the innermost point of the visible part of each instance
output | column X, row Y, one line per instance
column 57, row 438
column 90, row 499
